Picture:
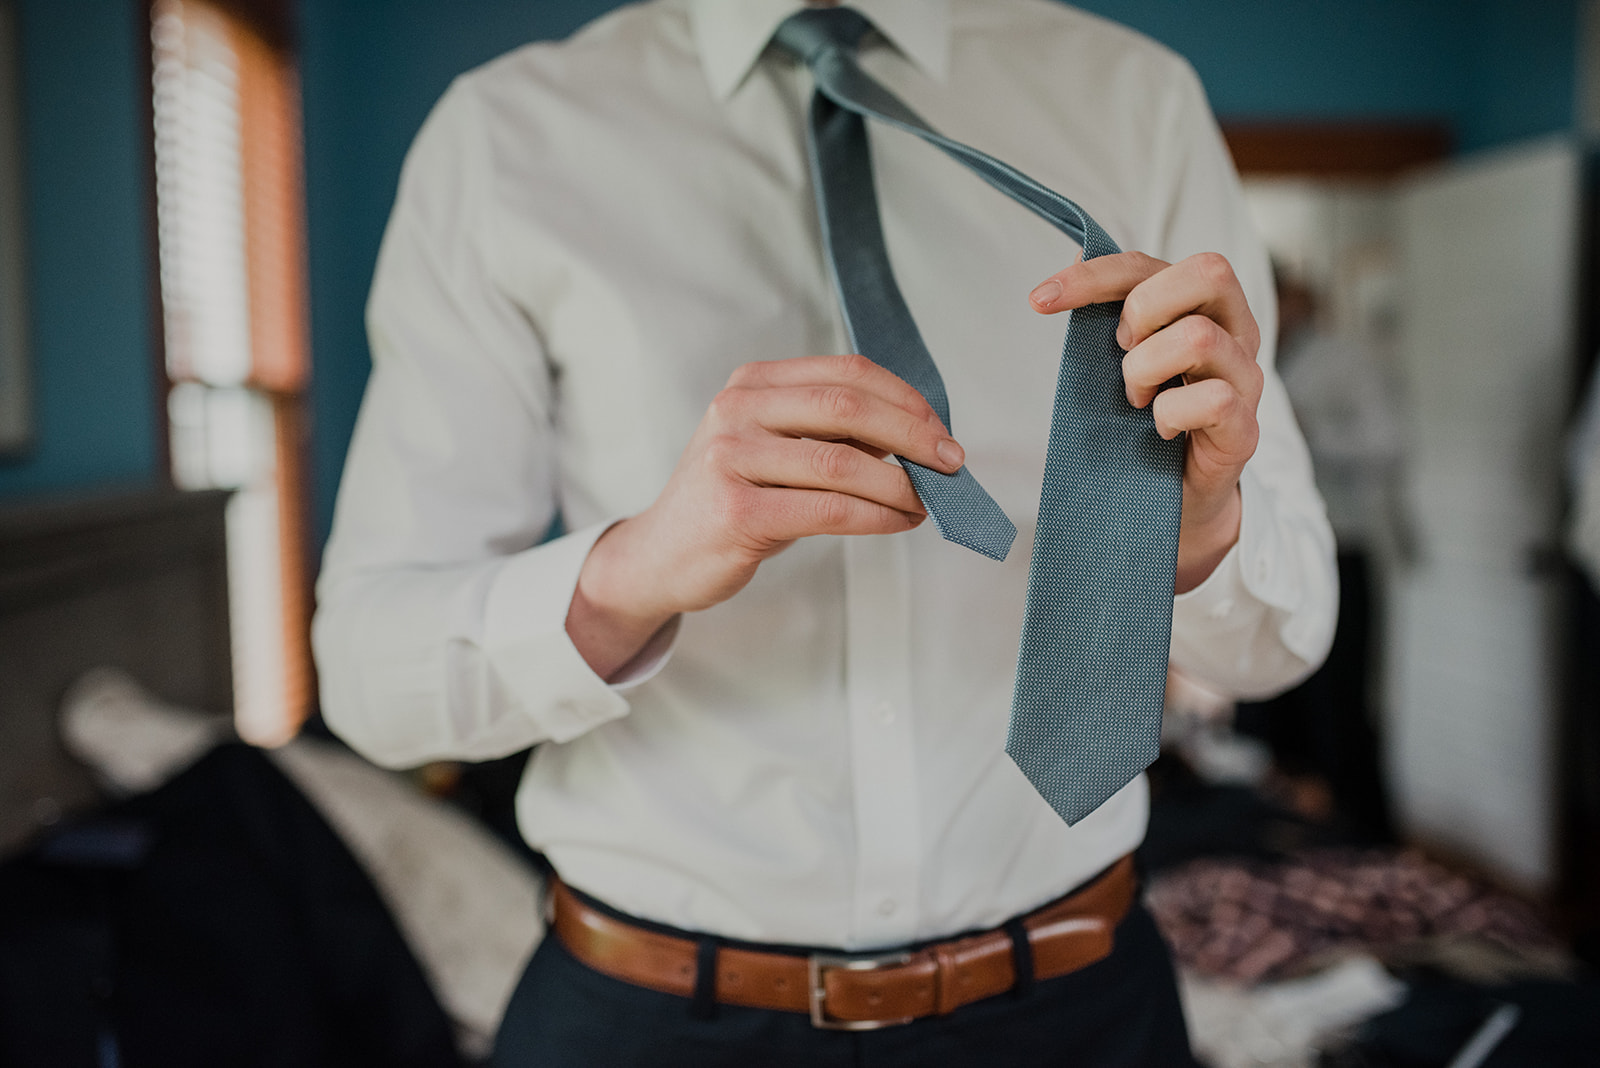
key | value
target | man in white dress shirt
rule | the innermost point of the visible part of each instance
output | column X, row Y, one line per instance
column 772, row 701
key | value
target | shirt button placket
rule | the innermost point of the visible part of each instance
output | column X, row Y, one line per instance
column 878, row 685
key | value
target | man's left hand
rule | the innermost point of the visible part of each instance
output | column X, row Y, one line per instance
column 1187, row 319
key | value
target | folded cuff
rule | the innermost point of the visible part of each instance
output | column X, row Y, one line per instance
column 528, row 648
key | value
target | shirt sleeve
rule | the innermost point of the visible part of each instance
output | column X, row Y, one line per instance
column 1264, row 619
column 441, row 622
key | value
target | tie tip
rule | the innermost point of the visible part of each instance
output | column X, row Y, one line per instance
column 999, row 550
column 962, row 511
column 993, row 543
column 985, row 530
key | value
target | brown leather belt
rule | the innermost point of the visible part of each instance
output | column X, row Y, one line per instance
column 857, row 992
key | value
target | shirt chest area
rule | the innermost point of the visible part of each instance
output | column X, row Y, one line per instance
column 656, row 256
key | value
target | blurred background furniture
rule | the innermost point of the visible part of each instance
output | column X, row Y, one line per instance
column 134, row 580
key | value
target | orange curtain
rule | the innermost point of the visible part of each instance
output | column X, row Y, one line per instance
column 241, row 88
column 270, row 163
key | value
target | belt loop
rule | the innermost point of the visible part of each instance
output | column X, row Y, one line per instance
column 1021, row 957
column 946, row 989
column 703, row 1004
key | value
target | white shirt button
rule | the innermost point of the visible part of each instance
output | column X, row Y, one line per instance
column 887, row 906
column 885, row 712
column 1221, row 609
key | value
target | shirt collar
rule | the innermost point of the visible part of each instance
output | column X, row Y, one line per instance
column 731, row 34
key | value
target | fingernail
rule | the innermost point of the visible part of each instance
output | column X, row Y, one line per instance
column 950, row 453
column 1122, row 336
column 1047, row 294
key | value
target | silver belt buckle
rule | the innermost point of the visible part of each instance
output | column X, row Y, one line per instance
column 819, row 965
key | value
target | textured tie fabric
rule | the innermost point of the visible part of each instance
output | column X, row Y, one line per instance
column 1091, row 671
column 880, row 324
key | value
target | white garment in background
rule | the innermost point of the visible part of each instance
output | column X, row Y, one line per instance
column 1283, row 1024
column 1346, row 408
column 589, row 238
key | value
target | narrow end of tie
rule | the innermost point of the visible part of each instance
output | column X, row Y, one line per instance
column 962, row 510
column 991, row 538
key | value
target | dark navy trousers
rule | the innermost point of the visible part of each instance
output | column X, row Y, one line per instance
column 1121, row 1012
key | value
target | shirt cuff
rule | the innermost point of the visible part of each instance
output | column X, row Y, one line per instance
column 528, row 648
column 648, row 662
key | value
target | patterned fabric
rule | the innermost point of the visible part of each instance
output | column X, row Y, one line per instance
column 881, row 327
column 1091, row 671
column 1251, row 920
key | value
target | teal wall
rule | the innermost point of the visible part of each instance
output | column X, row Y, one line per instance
column 87, row 188
column 1496, row 70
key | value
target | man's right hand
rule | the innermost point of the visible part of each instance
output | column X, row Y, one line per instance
column 788, row 449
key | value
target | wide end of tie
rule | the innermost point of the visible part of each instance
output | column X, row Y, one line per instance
column 962, row 510
column 1074, row 784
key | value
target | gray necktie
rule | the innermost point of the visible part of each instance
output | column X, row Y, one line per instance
column 1091, row 671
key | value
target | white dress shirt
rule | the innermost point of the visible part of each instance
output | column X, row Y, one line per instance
column 589, row 237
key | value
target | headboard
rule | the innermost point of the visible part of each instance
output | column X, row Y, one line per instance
column 137, row 581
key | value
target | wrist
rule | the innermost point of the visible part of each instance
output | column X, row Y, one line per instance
column 612, row 616
column 1204, row 538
